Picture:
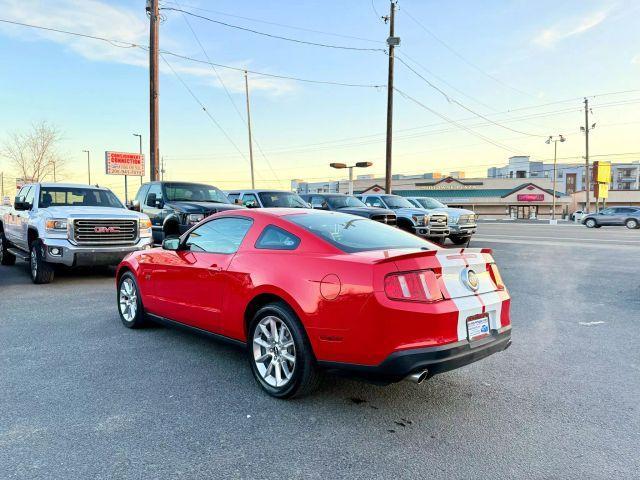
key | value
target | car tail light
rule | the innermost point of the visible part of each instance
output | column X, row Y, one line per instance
column 495, row 276
column 418, row 286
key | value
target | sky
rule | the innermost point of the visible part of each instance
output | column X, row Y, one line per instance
column 477, row 83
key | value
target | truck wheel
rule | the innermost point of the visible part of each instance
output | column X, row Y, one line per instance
column 6, row 258
column 41, row 271
column 632, row 223
column 459, row 240
column 280, row 354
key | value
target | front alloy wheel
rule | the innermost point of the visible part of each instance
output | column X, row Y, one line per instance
column 590, row 223
column 129, row 302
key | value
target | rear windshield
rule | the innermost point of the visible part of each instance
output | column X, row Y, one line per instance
column 282, row 199
column 77, row 197
column 356, row 234
column 343, row 201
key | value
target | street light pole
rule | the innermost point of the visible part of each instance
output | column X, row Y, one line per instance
column 88, row 165
column 139, row 138
column 351, row 167
column 555, row 141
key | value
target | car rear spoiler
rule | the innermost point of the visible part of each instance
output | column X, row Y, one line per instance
column 431, row 253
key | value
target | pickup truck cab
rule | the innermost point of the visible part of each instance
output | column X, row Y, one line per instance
column 267, row 199
column 340, row 202
column 462, row 222
column 69, row 224
column 174, row 207
column 411, row 218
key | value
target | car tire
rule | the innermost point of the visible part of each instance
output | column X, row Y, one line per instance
column 270, row 356
column 41, row 271
column 632, row 224
column 6, row 258
column 129, row 302
column 590, row 223
column 459, row 240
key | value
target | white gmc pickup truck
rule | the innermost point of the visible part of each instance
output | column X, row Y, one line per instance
column 68, row 224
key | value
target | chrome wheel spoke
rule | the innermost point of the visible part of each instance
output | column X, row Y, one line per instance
column 288, row 358
column 265, row 331
column 261, row 342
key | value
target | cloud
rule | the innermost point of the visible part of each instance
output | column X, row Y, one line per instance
column 98, row 18
column 636, row 60
column 549, row 37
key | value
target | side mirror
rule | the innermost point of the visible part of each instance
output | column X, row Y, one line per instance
column 20, row 204
column 171, row 244
column 159, row 204
column 135, row 206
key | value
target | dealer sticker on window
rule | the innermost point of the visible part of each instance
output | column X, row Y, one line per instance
column 478, row 327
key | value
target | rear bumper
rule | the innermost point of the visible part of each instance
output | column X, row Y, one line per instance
column 440, row 359
column 75, row 256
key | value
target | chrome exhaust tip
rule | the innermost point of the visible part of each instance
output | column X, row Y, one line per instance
column 418, row 377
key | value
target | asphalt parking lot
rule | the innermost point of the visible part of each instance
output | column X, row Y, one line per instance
column 83, row 397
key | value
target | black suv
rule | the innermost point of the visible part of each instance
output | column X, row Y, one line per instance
column 340, row 202
column 174, row 207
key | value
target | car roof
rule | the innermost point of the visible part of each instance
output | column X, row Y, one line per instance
column 70, row 185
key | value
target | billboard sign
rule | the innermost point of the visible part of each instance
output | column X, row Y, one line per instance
column 531, row 197
column 122, row 163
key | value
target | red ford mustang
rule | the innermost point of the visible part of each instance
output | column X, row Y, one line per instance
column 309, row 290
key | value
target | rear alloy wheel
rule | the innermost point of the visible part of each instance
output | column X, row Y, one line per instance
column 590, row 223
column 129, row 302
column 41, row 271
column 280, row 354
column 6, row 258
column 632, row 224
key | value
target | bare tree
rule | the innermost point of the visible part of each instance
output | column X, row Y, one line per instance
column 34, row 153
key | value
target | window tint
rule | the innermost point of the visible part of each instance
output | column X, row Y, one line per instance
column 282, row 199
column 155, row 194
column 275, row 238
column 83, row 197
column 343, row 201
column 374, row 202
column 250, row 200
column 233, row 197
column 223, row 235
column 355, row 234
column 142, row 194
column 318, row 201
column 190, row 192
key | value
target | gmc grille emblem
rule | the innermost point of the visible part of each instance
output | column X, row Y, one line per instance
column 106, row 229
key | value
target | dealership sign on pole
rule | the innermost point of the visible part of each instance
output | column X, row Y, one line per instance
column 122, row 163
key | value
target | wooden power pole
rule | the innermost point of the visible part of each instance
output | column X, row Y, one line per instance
column 246, row 91
column 154, row 148
column 392, row 41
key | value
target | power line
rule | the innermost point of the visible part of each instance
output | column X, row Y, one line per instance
column 127, row 44
column 459, row 125
column 271, row 35
column 460, row 56
column 283, row 25
column 460, row 104
column 233, row 103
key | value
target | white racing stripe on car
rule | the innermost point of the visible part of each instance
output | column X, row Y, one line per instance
column 467, row 306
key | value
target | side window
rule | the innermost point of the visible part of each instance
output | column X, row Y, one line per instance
column 374, row 202
column 223, row 235
column 250, row 200
column 275, row 238
column 31, row 193
column 142, row 194
column 155, row 194
column 233, row 197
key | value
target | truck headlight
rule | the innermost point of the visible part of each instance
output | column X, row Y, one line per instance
column 144, row 227
column 195, row 217
column 419, row 220
column 56, row 225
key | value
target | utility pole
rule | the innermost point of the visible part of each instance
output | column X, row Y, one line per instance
column 586, row 153
column 2, row 185
column 246, row 91
column 555, row 140
column 154, row 148
column 88, row 165
column 392, row 41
